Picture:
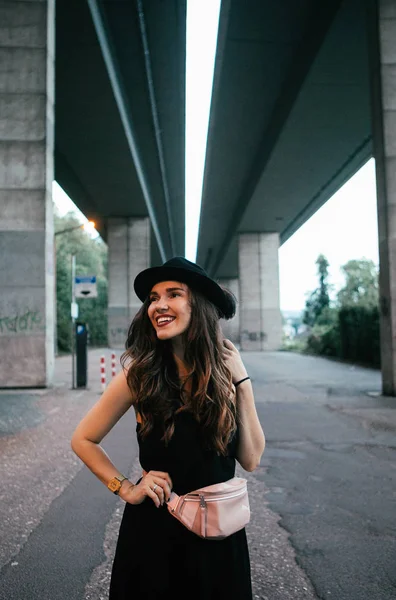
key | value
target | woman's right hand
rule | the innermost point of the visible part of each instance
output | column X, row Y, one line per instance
column 156, row 485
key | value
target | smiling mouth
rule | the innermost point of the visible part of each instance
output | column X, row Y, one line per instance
column 165, row 322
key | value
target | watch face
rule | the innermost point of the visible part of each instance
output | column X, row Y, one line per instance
column 114, row 485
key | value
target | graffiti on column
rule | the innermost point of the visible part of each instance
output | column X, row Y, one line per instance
column 26, row 321
column 119, row 333
column 253, row 336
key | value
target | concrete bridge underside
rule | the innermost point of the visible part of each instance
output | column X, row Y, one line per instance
column 303, row 95
column 93, row 94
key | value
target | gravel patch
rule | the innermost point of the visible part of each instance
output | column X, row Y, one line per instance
column 37, row 464
column 275, row 572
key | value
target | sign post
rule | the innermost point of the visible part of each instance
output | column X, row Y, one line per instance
column 74, row 315
column 83, row 286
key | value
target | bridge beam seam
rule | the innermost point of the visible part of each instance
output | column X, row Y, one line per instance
column 283, row 107
column 125, row 115
column 156, row 123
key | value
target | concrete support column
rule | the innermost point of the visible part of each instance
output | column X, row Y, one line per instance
column 26, row 175
column 381, row 20
column 231, row 328
column 129, row 253
column 260, row 316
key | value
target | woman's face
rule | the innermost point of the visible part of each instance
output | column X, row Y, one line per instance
column 169, row 310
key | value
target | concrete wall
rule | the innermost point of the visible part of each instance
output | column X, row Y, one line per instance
column 26, row 175
column 260, row 316
column 231, row 328
column 382, row 45
column 129, row 253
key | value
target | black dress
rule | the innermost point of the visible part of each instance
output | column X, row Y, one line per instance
column 157, row 558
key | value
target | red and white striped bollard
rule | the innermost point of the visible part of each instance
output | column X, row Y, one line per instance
column 113, row 364
column 103, row 373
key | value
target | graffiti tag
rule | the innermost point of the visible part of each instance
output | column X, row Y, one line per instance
column 27, row 321
column 119, row 332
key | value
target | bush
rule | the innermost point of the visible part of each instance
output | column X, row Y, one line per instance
column 324, row 340
column 360, row 334
column 294, row 345
column 354, row 336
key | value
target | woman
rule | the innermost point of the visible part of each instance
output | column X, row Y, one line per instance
column 195, row 415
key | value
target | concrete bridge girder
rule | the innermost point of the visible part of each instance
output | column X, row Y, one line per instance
column 317, row 82
column 27, row 151
column 85, row 136
column 26, row 175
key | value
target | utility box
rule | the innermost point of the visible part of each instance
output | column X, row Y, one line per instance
column 81, row 354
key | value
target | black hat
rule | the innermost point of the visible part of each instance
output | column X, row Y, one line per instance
column 181, row 269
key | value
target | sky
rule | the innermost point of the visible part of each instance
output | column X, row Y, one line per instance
column 199, row 78
column 345, row 228
column 354, row 236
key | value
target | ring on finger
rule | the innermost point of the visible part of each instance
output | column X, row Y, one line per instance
column 155, row 487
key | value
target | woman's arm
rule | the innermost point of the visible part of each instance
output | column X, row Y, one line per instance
column 251, row 436
column 112, row 405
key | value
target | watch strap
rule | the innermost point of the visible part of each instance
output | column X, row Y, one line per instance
column 114, row 484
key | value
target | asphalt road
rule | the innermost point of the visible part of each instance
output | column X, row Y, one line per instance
column 330, row 471
column 323, row 500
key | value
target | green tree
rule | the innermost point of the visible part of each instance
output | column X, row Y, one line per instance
column 361, row 284
column 91, row 259
column 295, row 323
column 317, row 305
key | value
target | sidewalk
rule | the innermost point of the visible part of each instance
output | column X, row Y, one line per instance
column 36, row 459
column 330, row 445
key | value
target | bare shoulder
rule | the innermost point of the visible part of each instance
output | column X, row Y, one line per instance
column 120, row 387
column 115, row 401
column 127, row 363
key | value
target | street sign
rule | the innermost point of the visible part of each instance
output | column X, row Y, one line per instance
column 85, row 286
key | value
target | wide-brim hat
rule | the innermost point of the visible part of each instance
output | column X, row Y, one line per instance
column 181, row 269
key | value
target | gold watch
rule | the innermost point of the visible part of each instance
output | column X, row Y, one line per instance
column 114, row 484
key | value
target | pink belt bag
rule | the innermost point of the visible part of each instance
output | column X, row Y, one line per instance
column 213, row 512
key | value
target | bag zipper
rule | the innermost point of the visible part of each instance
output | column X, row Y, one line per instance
column 203, row 505
column 204, row 513
column 200, row 497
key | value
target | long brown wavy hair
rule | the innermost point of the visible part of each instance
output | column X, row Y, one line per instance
column 152, row 374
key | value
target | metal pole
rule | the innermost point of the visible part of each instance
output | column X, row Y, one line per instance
column 73, row 332
column 55, row 305
column 109, row 56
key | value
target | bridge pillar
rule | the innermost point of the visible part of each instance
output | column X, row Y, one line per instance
column 259, row 314
column 382, row 39
column 231, row 328
column 129, row 253
column 26, row 175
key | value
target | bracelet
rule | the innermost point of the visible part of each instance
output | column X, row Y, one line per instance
column 241, row 381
